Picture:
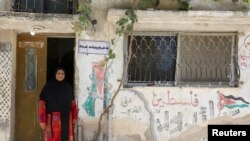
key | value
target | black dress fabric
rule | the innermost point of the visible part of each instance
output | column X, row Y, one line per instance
column 58, row 96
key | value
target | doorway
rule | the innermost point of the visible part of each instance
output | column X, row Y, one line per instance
column 37, row 57
column 60, row 52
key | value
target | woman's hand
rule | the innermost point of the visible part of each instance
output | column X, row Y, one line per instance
column 75, row 121
column 42, row 125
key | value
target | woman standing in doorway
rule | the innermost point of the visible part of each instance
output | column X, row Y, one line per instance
column 57, row 109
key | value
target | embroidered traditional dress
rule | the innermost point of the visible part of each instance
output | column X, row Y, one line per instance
column 57, row 111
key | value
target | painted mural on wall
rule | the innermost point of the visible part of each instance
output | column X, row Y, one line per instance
column 173, row 112
column 162, row 100
column 175, row 123
column 168, row 112
column 96, row 88
column 244, row 53
column 99, row 89
column 231, row 102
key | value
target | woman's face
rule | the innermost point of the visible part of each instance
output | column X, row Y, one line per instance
column 60, row 75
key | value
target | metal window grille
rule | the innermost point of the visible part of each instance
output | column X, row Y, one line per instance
column 153, row 59
column 45, row 6
column 204, row 59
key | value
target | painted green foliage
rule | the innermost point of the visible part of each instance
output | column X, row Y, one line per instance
column 89, row 104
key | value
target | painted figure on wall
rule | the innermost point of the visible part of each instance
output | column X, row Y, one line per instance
column 97, row 87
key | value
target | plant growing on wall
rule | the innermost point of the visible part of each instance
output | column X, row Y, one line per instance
column 247, row 1
column 84, row 12
column 124, row 25
column 184, row 5
column 243, row 2
column 234, row 1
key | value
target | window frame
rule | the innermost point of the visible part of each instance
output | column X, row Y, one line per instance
column 234, row 66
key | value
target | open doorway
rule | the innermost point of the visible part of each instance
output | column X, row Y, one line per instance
column 60, row 52
column 32, row 73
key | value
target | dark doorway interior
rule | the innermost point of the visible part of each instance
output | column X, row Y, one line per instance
column 60, row 52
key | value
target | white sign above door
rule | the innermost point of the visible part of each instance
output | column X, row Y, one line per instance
column 93, row 47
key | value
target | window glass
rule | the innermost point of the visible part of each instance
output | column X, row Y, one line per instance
column 30, row 69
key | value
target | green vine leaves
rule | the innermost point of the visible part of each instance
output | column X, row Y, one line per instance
column 234, row 1
column 124, row 25
column 184, row 5
column 84, row 11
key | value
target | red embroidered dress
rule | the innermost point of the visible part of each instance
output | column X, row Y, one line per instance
column 53, row 124
column 57, row 111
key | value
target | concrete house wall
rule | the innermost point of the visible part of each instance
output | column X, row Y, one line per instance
column 137, row 114
column 8, row 37
column 5, row 5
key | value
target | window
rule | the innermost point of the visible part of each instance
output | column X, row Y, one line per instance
column 31, row 69
column 45, row 6
column 181, row 59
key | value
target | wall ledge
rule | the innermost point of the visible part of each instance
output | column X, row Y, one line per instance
column 23, row 22
column 234, row 20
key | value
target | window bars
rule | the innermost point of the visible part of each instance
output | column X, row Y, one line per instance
column 45, row 6
column 183, row 59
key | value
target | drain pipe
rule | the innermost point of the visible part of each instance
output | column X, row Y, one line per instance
column 79, row 133
column 110, row 135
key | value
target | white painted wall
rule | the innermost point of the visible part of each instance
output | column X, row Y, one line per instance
column 144, row 123
column 145, row 113
column 5, row 5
